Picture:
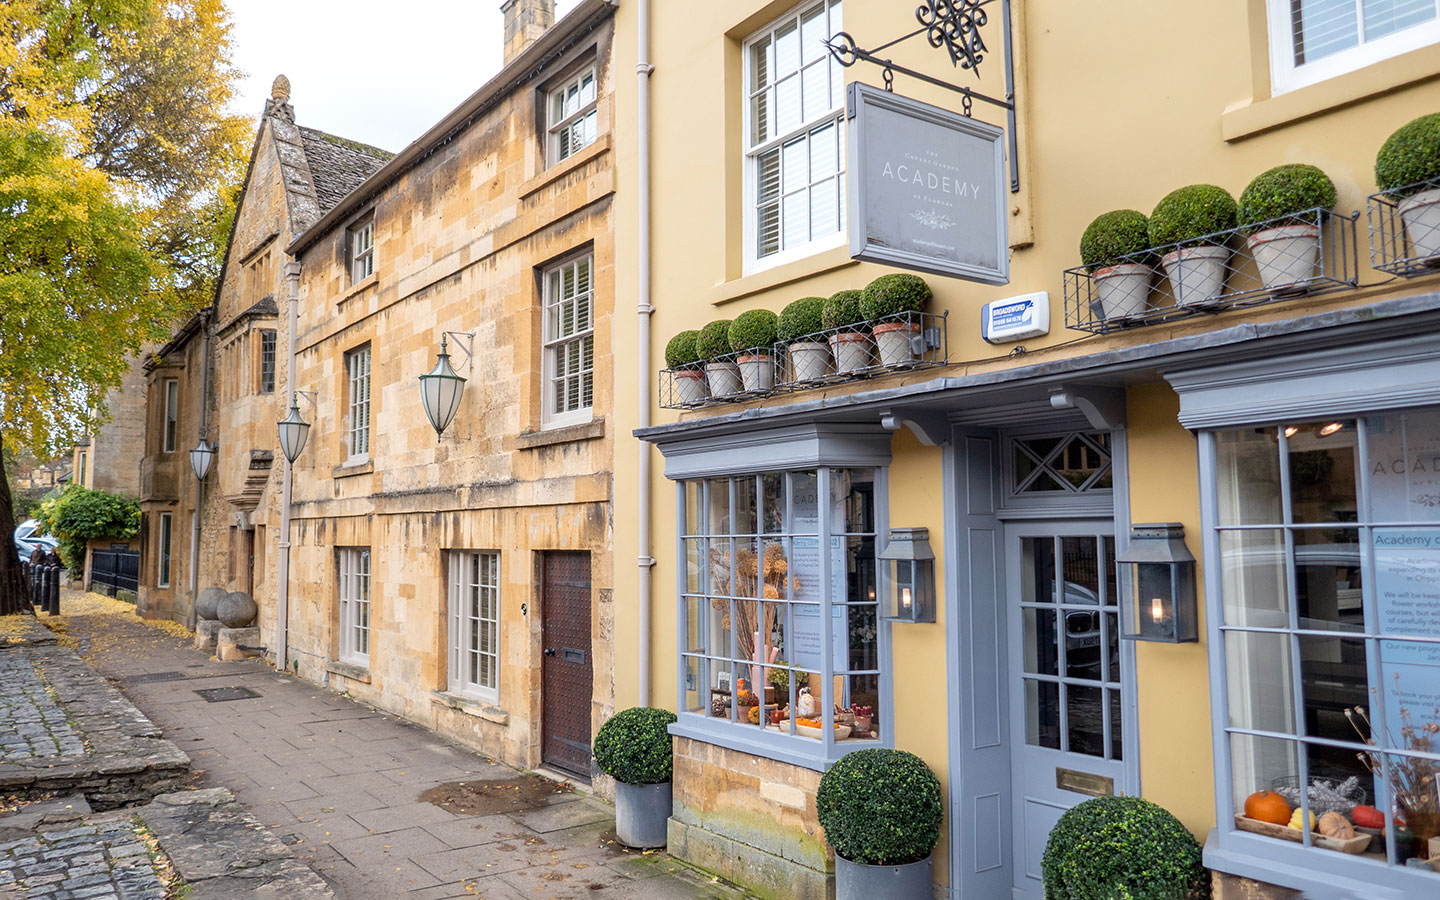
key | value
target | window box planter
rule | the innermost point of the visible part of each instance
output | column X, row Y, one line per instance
column 723, row 376
column 1121, row 291
column 1286, row 257
column 1197, row 274
column 853, row 351
column 899, row 343
column 691, row 386
column 1405, row 233
column 757, row 371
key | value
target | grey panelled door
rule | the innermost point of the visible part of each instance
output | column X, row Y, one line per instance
column 1066, row 703
column 566, row 674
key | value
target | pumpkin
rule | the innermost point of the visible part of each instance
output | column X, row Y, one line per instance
column 1295, row 820
column 1267, row 806
column 1335, row 825
column 1368, row 817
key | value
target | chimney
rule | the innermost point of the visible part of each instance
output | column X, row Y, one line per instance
column 525, row 21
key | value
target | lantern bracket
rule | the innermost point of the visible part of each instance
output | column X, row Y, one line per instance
column 468, row 346
column 310, row 397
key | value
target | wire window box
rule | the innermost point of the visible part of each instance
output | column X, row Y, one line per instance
column 1405, row 229
column 1313, row 252
column 903, row 342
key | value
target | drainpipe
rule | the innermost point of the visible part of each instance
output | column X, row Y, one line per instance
column 282, row 601
column 647, row 563
column 199, row 484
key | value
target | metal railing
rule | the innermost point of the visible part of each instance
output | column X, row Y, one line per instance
column 1309, row 253
column 1405, row 229
column 112, row 571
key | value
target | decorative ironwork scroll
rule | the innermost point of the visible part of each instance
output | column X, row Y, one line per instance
column 955, row 25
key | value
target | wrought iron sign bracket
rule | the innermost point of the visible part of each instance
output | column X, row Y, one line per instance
column 954, row 25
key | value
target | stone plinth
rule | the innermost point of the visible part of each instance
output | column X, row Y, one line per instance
column 230, row 640
column 207, row 633
column 1233, row 887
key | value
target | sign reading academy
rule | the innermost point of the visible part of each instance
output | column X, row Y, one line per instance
column 926, row 188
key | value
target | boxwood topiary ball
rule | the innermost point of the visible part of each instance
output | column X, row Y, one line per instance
column 753, row 329
column 633, row 746
column 713, row 340
column 1122, row 847
column 880, row 807
column 894, row 293
column 1285, row 191
column 681, row 352
column 842, row 310
column 1410, row 155
column 800, row 318
column 1115, row 237
column 1191, row 212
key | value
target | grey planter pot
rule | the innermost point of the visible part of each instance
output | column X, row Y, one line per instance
column 641, row 813
column 854, row 881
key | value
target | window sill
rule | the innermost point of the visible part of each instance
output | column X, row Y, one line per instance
column 1256, row 116
column 345, row 470
column 546, row 437
column 807, row 753
column 565, row 167
column 352, row 671
column 471, row 706
column 786, row 273
column 359, row 287
column 1316, row 873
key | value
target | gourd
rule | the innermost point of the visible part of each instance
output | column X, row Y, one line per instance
column 1335, row 825
column 1295, row 820
column 1368, row 817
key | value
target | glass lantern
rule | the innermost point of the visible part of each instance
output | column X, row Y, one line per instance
column 909, row 569
column 1161, row 606
column 440, row 391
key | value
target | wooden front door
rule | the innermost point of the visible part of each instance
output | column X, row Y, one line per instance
column 566, row 677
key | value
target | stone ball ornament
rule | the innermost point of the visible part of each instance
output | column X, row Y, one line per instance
column 237, row 610
column 208, row 603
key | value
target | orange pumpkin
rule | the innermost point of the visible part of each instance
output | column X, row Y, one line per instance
column 1267, row 806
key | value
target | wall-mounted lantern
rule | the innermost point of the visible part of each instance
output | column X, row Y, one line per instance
column 1162, row 584
column 201, row 458
column 440, row 391
column 909, row 576
column 293, row 431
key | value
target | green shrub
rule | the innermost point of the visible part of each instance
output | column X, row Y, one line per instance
column 1410, row 155
column 753, row 329
column 880, row 807
column 681, row 352
column 78, row 515
column 713, row 340
column 1115, row 237
column 633, row 746
column 842, row 310
column 1284, row 191
column 800, row 318
column 895, row 293
column 1187, row 214
column 1122, row 847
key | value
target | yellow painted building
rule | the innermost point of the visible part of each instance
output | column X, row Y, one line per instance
column 1287, row 425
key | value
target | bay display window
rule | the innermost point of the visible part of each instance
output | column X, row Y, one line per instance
column 1328, row 541
column 782, row 638
column 794, row 137
column 1312, row 40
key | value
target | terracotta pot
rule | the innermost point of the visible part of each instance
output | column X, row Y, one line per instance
column 1123, row 291
column 809, row 360
column 1286, row 257
column 853, row 351
column 724, row 378
column 1421, row 215
column 894, row 341
column 1197, row 274
column 690, row 386
column 757, row 371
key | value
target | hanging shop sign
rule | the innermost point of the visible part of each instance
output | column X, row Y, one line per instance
column 927, row 188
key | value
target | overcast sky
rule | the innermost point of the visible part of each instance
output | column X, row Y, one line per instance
column 376, row 71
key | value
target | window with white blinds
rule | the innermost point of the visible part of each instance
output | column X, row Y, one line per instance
column 1311, row 40
column 475, row 624
column 794, row 138
column 572, row 116
column 569, row 325
column 357, row 364
column 355, row 605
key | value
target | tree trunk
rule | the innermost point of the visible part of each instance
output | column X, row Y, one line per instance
column 13, row 596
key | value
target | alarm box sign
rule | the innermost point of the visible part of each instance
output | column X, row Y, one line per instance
column 926, row 188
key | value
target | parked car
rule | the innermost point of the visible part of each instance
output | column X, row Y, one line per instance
column 26, row 539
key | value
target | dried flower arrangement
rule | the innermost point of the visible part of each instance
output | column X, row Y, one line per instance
column 1414, row 781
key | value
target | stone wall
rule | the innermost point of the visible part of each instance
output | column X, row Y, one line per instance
column 117, row 446
column 1233, row 887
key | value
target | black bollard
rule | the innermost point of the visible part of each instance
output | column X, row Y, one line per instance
column 36, row 572
column 53, row 597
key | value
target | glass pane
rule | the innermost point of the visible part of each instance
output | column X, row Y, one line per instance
column 722, row 688
column 760, row 117
column 1332, row 682
column 1247, row 474
column 759, row 64
column 858, row 489
column 1407, row 580
column 1322, row 471
column 696, row 613
column 1078, row 461
column 1037, row 570
column 822, row 209
column 1040, row 656
column 787, row 49
column 1085, row 718
column 1260, row 764
column 1117, row 722
column 1410, row 671
column 747, row 568
column 1323, row 28
column 861, row 707
column 1412, row 784
column 1384, row 17
column 804, row 491
column 694, row 696
column 1042, row 714
column 1404, row 452
column 813, row 34
column 1260, row 681
column 1327, row 579
column 1112, row 586
column 1253, row 578
column 1081, row 567
column 787, row 105
column 815, row 89
column 862, row 631
column 1112, row 650
column 718, row 506
column 746, row 505
column 1082, row 644
column 773, row 500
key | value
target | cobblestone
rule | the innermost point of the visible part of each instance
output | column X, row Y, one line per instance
column 32, row 724
column 47, row 865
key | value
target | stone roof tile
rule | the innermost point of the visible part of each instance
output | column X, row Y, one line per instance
column 338, row 165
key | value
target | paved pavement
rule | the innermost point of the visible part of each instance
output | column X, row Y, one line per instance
column 341, row 784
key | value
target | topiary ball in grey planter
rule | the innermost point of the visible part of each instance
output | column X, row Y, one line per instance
column 237, row 610
column 208, row 603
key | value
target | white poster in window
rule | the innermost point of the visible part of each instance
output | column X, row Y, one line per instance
column 1407, row 598
column 1404, row 475
column 805, row 566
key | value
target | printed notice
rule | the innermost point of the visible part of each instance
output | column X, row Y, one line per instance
column 1407, row 594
